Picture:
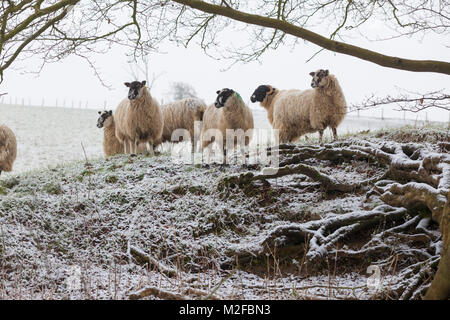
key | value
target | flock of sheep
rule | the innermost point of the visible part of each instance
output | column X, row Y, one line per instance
column 140, row 124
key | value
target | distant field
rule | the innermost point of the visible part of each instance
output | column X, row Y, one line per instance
column 53, row 135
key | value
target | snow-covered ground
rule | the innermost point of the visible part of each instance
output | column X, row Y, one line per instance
column 81, row 221
column 53, row 135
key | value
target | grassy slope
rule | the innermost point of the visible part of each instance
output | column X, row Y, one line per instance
column 86, row 215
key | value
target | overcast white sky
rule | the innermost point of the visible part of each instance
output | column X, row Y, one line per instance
column 73, row 80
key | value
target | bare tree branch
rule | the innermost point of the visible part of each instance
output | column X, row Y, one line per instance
column 336, row 46
column 409, row 101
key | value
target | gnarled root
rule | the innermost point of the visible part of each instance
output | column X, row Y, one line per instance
column 419, row 185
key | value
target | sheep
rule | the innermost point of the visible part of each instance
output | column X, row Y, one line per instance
column 228, row 112
column 298, row 112
column 182, row 114
column 138, row 118
column 8, row 148
column 329, row 102
column 111, row 145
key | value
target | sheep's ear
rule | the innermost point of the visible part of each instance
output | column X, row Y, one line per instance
column 326, row 72
column 110, row 112
column 127, row 84
column 99, row 112
column 218, row 91
column 143, row 83
column 312, row 74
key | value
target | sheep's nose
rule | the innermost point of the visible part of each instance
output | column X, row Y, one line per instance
column 253, row 98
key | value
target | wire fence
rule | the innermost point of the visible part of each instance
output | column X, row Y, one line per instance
column 380, row 113
column 62, row 103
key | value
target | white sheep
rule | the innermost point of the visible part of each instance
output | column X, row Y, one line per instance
column 111, row 145
column 228, row 112
column 297, row 112
column 8, row 148
column 182, row 114
column 138, row 119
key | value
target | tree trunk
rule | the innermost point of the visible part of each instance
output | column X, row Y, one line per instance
column 440, row 287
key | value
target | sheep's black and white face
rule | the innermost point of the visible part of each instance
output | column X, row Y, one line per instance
column 103, row 117
column 318, row 76
column 135, row 89
column 260, row 93
column 222, row 97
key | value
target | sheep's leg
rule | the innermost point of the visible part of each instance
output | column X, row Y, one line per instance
column 136, row 146
column 224, row 156
column 320, row 135
column 208, row 153
column 207, row 150
column 193, row 144
column 193, row 148
column 150, row 149
column 335, row 136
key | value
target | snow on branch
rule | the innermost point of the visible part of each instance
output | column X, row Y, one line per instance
column 407, row 101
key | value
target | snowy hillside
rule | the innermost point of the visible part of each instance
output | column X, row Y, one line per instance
column 133, row 227
column 48, row 136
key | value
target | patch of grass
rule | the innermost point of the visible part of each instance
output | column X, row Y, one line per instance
column 141, row 176
column 9, row 183
column 118, row 198
column 3, row 191
column 53, row 188
column 431, row 133
column 111, row 179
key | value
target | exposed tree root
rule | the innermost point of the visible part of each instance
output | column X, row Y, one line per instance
column 167, row 295
column 327, row 182
column 325, row 233
column 142, row 258
column 156, row 292
column 417, row 190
